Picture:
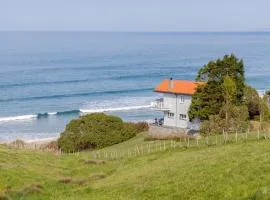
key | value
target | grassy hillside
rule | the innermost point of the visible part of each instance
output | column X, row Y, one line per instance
column 232, row 171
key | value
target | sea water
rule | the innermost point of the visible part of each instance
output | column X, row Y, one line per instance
column 50, row 78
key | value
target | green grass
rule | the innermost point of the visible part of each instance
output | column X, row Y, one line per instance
column 232, row 171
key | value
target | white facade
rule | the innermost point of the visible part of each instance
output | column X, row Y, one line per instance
column 175, row 108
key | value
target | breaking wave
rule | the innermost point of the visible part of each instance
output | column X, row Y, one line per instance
column 70, row 112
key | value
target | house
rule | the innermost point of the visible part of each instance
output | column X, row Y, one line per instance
column 177, row 97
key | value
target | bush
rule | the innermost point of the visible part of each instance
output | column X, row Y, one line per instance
column 252, row 101
column 96, row 130
column 140, row 126
column 214, row 125
column 53, row 145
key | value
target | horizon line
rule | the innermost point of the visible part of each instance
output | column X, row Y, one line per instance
column 108, row 31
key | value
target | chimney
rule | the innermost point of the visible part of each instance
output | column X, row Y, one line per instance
column 171, row 83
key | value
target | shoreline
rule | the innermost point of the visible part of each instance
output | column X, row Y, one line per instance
column 41, row 141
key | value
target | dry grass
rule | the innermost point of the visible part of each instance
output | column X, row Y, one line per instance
column 4, row 197
column 65, row 180
column 95, row 162
column 97, row 176
column 80, row 182
column 32, row 189
column 17, row 143
column 53, row 146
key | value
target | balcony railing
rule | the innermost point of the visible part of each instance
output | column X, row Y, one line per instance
column 159, row 104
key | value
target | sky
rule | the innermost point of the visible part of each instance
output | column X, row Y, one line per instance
column 135, row 15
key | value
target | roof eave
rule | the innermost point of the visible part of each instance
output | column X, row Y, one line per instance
column 168, row 92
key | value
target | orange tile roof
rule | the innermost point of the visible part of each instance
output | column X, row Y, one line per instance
column 178, row 87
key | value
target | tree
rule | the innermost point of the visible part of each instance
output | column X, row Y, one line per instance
column 264, row 110
column 209, row 98
column 229, row 89
column 252, row 101
column 239, row 118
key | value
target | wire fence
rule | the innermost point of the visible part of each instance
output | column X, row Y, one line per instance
column 149, row 147
column 154, row 146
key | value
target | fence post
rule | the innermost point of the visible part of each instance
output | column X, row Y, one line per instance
column 223, row 134
column 94, row 155
column 164, row 145
column 135, row 151
column 138, row 150
column 236, row 135
column 258, row 135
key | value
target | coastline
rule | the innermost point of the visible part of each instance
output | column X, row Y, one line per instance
column 30, row 144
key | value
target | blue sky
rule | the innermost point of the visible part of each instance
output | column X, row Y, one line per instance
column 135, row 15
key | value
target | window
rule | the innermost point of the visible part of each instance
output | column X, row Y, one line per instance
column 170, row 115
column 182, row 99
column 182, row 116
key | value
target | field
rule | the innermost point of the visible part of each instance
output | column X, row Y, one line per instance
column 190, row 171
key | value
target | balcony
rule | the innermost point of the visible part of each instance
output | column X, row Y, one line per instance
column 159, row 104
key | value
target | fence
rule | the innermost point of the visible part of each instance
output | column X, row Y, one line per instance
column 149, row 147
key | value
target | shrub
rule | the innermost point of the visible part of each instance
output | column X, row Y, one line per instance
column 17, row 143
column 95, row 130
column 53, row 145
column 140, row 126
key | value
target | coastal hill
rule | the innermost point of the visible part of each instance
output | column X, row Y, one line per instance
column 231, row 171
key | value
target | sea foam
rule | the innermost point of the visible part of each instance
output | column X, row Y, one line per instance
column 69, row 112
column 114, row 109
column 15, row 118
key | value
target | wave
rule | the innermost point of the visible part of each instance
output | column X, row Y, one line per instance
column 76, row 95
column 70, row 112
column 114, row 109
column 42, row 83
column 22, row 117
column 117, row 77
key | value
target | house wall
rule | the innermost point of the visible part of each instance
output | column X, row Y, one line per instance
column 173, row 102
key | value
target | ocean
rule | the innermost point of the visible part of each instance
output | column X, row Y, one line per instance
column 50, row 78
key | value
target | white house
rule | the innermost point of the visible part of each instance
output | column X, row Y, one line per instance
column 177, row 97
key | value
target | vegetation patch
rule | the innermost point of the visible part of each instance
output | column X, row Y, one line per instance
column 36, row 188
column 80, row 182
column 226, row 103
column 97, row 176
column 53, row 145
column 4, row 197
column 65, row 180
column 17, row 143
column 97, row 130
column 95, row 162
